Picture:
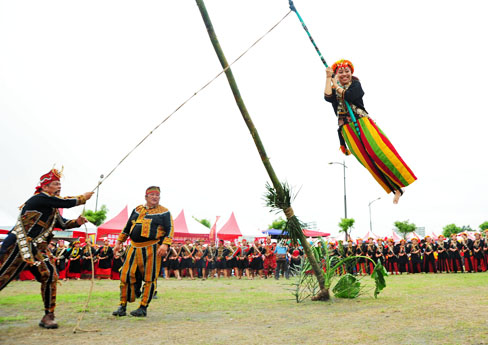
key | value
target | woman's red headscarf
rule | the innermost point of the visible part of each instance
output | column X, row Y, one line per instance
column 343, row 63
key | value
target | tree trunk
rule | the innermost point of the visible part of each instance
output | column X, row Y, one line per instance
column 324, row 293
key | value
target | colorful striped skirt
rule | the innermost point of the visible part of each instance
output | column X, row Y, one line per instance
column 377, row 154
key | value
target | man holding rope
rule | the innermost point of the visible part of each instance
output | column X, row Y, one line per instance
column 26, row 243
column 150, row 229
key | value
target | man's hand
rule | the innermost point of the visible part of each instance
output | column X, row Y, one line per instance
column 88, row 195
column 162, row 251
column 81, row 220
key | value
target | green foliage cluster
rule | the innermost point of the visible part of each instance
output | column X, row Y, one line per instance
column 346, row 224
column 405, row 227
column 348, row 286
column 278, row 224
column 96, row 217
column 204, row 221
column 450, row 229
column 484, row 225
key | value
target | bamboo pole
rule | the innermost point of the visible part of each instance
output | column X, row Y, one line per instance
column 324, row 293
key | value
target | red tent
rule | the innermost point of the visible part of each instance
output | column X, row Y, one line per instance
column 181, row 231
column 312, row 233
column 230, row 230
column 113, row 227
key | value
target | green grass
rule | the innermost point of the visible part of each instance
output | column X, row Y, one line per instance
column 413, row 309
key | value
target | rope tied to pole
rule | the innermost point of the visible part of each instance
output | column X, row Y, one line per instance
column 189, row 98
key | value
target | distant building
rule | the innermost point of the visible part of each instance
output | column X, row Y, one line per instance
column 420, row 231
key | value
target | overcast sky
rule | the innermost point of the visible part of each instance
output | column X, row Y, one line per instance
column 81, row 83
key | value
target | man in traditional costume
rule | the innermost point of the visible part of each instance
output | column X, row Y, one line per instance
column 199, row 261
column 26, row 243
column 187, row 259
column 242, row 259
column 210, row 255
column 150, row 229
column 220, row 262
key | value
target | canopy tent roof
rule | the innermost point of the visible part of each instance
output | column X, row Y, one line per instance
column 114, row 225
column 413, row 234
column 313, row 233
column 395, row 236
column 230, row 230
column 368, row 235
column 195, row 230
column 433, row 235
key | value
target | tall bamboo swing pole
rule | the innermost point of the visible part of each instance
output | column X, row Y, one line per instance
column 324, row 294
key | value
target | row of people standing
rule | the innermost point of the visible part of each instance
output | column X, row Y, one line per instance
column 243, row 259
column 427, row 255
column 75, row 261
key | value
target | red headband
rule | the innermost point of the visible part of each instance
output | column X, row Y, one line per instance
column 342, row 64
column 53, row 175
column 152, row 190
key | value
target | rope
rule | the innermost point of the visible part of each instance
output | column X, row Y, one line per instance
column 353, row 117
column 77, row 327
column 294, row 9
column 189, row 98
column 92, row 282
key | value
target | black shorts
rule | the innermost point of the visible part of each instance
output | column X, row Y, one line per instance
column 165, row 263
column 242, row 263
column 231, row 263
column 174, row 264
column 200, row 263
column 211, row 265
column 220, row 264
column 257, row 264
column 186, row 263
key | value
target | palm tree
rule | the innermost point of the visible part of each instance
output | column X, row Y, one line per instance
column 279, row 194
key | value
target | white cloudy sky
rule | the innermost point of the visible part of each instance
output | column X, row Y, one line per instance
column 82, row 82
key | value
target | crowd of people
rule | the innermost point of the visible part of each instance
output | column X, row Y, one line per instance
column 265, row 259
column 440, row 255
column 196, row 259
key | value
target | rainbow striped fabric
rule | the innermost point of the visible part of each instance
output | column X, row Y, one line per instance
column 377, row 154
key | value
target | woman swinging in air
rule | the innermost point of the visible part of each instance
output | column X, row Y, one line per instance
column 359, row 135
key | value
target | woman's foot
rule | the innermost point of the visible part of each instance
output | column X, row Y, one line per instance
column 398, row 194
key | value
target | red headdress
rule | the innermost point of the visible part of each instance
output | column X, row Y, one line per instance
column 152, row 189
column 342, row 63
column 53, row 175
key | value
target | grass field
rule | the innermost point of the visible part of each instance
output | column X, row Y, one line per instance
column 413, row 309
